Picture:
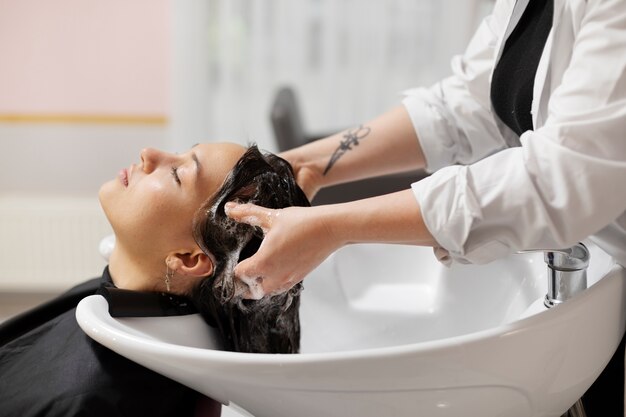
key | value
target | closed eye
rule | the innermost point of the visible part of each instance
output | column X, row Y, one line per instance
column 174, row 173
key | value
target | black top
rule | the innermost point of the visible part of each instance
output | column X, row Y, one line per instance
column 50, row 367
column 514, row 76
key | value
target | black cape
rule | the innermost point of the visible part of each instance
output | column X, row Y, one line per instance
column 49, row 367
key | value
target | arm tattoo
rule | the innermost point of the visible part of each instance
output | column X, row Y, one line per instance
column 351, row 137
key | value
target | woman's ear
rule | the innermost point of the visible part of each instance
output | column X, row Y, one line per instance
column 193, row 264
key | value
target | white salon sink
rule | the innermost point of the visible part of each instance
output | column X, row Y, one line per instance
column 388, row 331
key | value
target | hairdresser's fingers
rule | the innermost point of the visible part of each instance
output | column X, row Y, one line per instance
column 297, row 240
column 251, row 214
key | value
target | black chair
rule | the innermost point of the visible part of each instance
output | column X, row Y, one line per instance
column 289, row 133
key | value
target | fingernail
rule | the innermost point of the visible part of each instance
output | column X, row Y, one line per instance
column 229, row 206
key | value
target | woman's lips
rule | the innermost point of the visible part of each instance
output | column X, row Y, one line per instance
column 123, row 176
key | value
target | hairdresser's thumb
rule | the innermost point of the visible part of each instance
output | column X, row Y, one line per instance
column 244, row 272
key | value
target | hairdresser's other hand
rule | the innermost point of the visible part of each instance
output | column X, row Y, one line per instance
column 296, row 242
column 308, row 176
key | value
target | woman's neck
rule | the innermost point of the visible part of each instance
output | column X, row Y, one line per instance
column 130, row 273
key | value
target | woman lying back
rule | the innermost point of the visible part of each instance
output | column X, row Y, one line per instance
column 167, row 212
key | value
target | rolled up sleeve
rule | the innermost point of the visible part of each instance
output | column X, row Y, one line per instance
column 566, row 181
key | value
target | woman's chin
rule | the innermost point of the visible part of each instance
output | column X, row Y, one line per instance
column 106, row 197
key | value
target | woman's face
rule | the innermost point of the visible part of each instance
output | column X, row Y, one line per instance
column 151, row 204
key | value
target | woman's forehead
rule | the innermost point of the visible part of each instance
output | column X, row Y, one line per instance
column 221, row 155
column 216, row 160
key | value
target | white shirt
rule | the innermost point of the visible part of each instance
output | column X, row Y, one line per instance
column 567, row 181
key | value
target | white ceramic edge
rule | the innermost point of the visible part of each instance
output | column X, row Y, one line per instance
column 547, row 316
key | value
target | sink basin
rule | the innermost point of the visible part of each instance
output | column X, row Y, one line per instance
column 388, row 331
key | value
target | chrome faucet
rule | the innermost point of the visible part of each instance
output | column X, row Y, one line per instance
column 567, row 272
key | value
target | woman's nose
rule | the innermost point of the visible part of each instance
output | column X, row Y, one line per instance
column 150, row 159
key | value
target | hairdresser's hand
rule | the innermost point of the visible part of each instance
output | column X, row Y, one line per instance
column 297, row 239
column 308, row 175
column 309, row 180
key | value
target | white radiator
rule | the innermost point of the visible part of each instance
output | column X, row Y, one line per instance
column 50, row 244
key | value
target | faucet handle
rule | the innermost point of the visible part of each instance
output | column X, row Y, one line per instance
column 575, row 258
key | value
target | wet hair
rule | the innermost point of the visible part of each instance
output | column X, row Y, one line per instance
column 268, row 325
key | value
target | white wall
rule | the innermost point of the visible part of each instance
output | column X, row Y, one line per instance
column 70, row 62
column 347, row 59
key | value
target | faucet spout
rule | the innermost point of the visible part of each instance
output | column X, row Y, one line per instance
column 567, row 273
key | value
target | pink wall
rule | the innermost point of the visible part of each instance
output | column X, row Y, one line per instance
column 84, row 57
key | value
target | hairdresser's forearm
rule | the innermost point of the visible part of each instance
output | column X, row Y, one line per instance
column 391, row 218
column 388, row 144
